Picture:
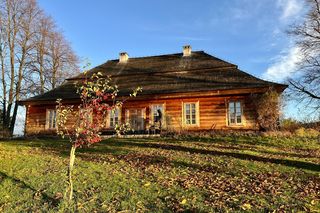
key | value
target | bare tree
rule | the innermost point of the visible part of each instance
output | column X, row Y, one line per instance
column 30, row 56
column 62, row 62
column 17, row 25
column 3, row 48
column 44, row 28
column 53, row 59
column 305, row 87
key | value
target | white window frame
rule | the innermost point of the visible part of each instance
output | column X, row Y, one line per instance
column 143, row 113
column 234, row 113
column 184, row 114
column 51, row 124
column 152, row 113
column 111, row 116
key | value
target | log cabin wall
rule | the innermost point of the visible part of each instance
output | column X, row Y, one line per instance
column 36, row 119
column 212, row 114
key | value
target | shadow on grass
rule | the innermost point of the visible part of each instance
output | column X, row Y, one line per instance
column 52, row 202
column 239, row 147
column 63, row 148
column 242, row 156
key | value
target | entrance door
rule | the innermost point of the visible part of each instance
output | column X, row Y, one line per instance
column 136, row 118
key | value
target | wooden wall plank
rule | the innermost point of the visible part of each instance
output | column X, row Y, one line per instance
column 213, row 113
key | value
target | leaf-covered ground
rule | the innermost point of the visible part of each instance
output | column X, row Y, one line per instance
column 164, row 175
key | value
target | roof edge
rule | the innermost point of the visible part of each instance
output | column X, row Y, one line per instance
column 218, row 92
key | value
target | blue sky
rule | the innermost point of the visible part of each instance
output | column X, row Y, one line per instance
column 249, row 33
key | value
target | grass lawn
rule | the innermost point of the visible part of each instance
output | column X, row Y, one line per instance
column 164, row 175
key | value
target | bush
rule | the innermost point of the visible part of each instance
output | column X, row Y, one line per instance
column 4, row 133
column 207, row 134
column 310, row 133
column 286, row 134
column 290, row 124
column 267, row 106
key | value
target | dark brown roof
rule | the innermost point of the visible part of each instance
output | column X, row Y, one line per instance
column 165, row 74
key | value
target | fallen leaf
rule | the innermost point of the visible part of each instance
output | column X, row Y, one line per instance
column 147, row 184
column 246, row 206
column 184, row 201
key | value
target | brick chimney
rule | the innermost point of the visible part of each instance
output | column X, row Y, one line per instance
column 123, row 57
column 186, row 50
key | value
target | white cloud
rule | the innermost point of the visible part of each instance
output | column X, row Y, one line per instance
column 285, row 65
column 290, row 8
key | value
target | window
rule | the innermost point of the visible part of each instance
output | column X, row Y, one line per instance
column 191, row 113
column 136, row 118
column 157, row 111
column 114, row 117
column 51, row 119
column 235, row 113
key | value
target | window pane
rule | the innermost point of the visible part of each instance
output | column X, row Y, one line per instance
column 235, row 112
column 114, row 117
column 193, row 114
column 231, row 106
column 157, row 113
column 188, row 121
column 238, row 107
column 232, row 117
column 190, row 113
column 54, row 119
column 239, row 119
column 193, row 107
column 154, row 114
column 187, row 106
column 50, row 119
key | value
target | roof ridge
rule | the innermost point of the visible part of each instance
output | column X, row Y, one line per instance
column 161, row 55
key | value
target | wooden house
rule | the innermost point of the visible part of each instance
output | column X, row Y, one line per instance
column 192, row 90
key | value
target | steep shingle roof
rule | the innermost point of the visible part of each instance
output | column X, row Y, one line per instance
column 166, row 74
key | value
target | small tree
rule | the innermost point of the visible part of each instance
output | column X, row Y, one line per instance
column 267, row 106
column 98, row 96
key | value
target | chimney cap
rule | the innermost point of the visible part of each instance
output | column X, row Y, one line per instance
column 123, row 57
column 186, row 50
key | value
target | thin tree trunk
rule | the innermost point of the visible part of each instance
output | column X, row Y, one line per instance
column 41, row 81
column 41, row 64
column 4, row 88
column 18, row 88
column 53, row 83
column 70, row 170
column 11, row 43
